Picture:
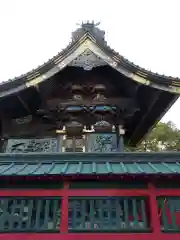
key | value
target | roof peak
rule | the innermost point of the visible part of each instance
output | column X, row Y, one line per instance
column 90, row 27
column 88, row 24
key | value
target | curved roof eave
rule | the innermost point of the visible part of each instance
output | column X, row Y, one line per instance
column 100, row 48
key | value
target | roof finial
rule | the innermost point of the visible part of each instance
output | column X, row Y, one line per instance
column 97, row 24
column 88, row 24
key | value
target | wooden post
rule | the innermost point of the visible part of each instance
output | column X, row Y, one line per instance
column 64, row 209
column 121, row 133
column 155, row 221
column 121, row 143
column 58, row 148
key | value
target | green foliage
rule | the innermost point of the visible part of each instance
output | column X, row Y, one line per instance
column 164, row 137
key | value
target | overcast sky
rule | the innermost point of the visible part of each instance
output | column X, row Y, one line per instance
column 144, row 31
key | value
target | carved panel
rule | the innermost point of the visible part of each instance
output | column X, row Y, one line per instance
column 31, row 145
column 73, row 144
column 102, row 142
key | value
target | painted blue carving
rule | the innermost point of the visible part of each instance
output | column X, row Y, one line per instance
column 96, row 108
column 102, row 142
column 103, row 108
column 74, row 108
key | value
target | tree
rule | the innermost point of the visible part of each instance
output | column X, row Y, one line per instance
column 164, row 137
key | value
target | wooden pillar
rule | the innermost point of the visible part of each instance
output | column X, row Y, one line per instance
column 64, row 209
column 155, row 220
column 121, row 143
column 121, row 133
column 58, row 148
column 1, row 138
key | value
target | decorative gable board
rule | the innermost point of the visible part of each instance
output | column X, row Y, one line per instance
column 88, row 60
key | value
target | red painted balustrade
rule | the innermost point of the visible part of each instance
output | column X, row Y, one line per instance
column 157, row 207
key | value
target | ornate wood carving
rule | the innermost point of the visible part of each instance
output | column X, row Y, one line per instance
column 87, row 60
column 31, row 145
column 102, row 142
column 97, row 101
column 103, row 126
column 74, row 95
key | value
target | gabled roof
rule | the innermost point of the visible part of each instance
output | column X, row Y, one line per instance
column 89, row 38
column 90, row 163
column 88, row 48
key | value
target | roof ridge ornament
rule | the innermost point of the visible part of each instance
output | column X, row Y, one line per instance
column 88, row 27
column 88, row 23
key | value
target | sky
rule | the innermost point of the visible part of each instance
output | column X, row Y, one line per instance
column 144, row 31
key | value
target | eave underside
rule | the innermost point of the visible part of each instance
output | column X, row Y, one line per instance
column 153, row 103
column 153, row 93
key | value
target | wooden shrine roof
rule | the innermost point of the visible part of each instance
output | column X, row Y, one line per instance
column 163, row 91
column 87, row 36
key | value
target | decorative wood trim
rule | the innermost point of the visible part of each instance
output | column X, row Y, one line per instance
column 119, row 101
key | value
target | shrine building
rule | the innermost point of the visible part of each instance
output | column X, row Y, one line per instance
column 64, row 128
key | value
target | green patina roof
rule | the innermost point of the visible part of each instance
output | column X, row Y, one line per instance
column 89, row 163
column 88, row 168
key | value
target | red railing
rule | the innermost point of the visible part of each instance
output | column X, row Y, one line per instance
column 152, row 193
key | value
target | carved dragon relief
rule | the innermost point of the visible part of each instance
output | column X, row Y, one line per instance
column 31, row 145
column 102, row 142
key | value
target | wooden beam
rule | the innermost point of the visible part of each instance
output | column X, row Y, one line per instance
column 122, row 102
column 23, row 103
column 81, row 116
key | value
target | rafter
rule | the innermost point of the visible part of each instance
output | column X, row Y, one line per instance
column 25, row 105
